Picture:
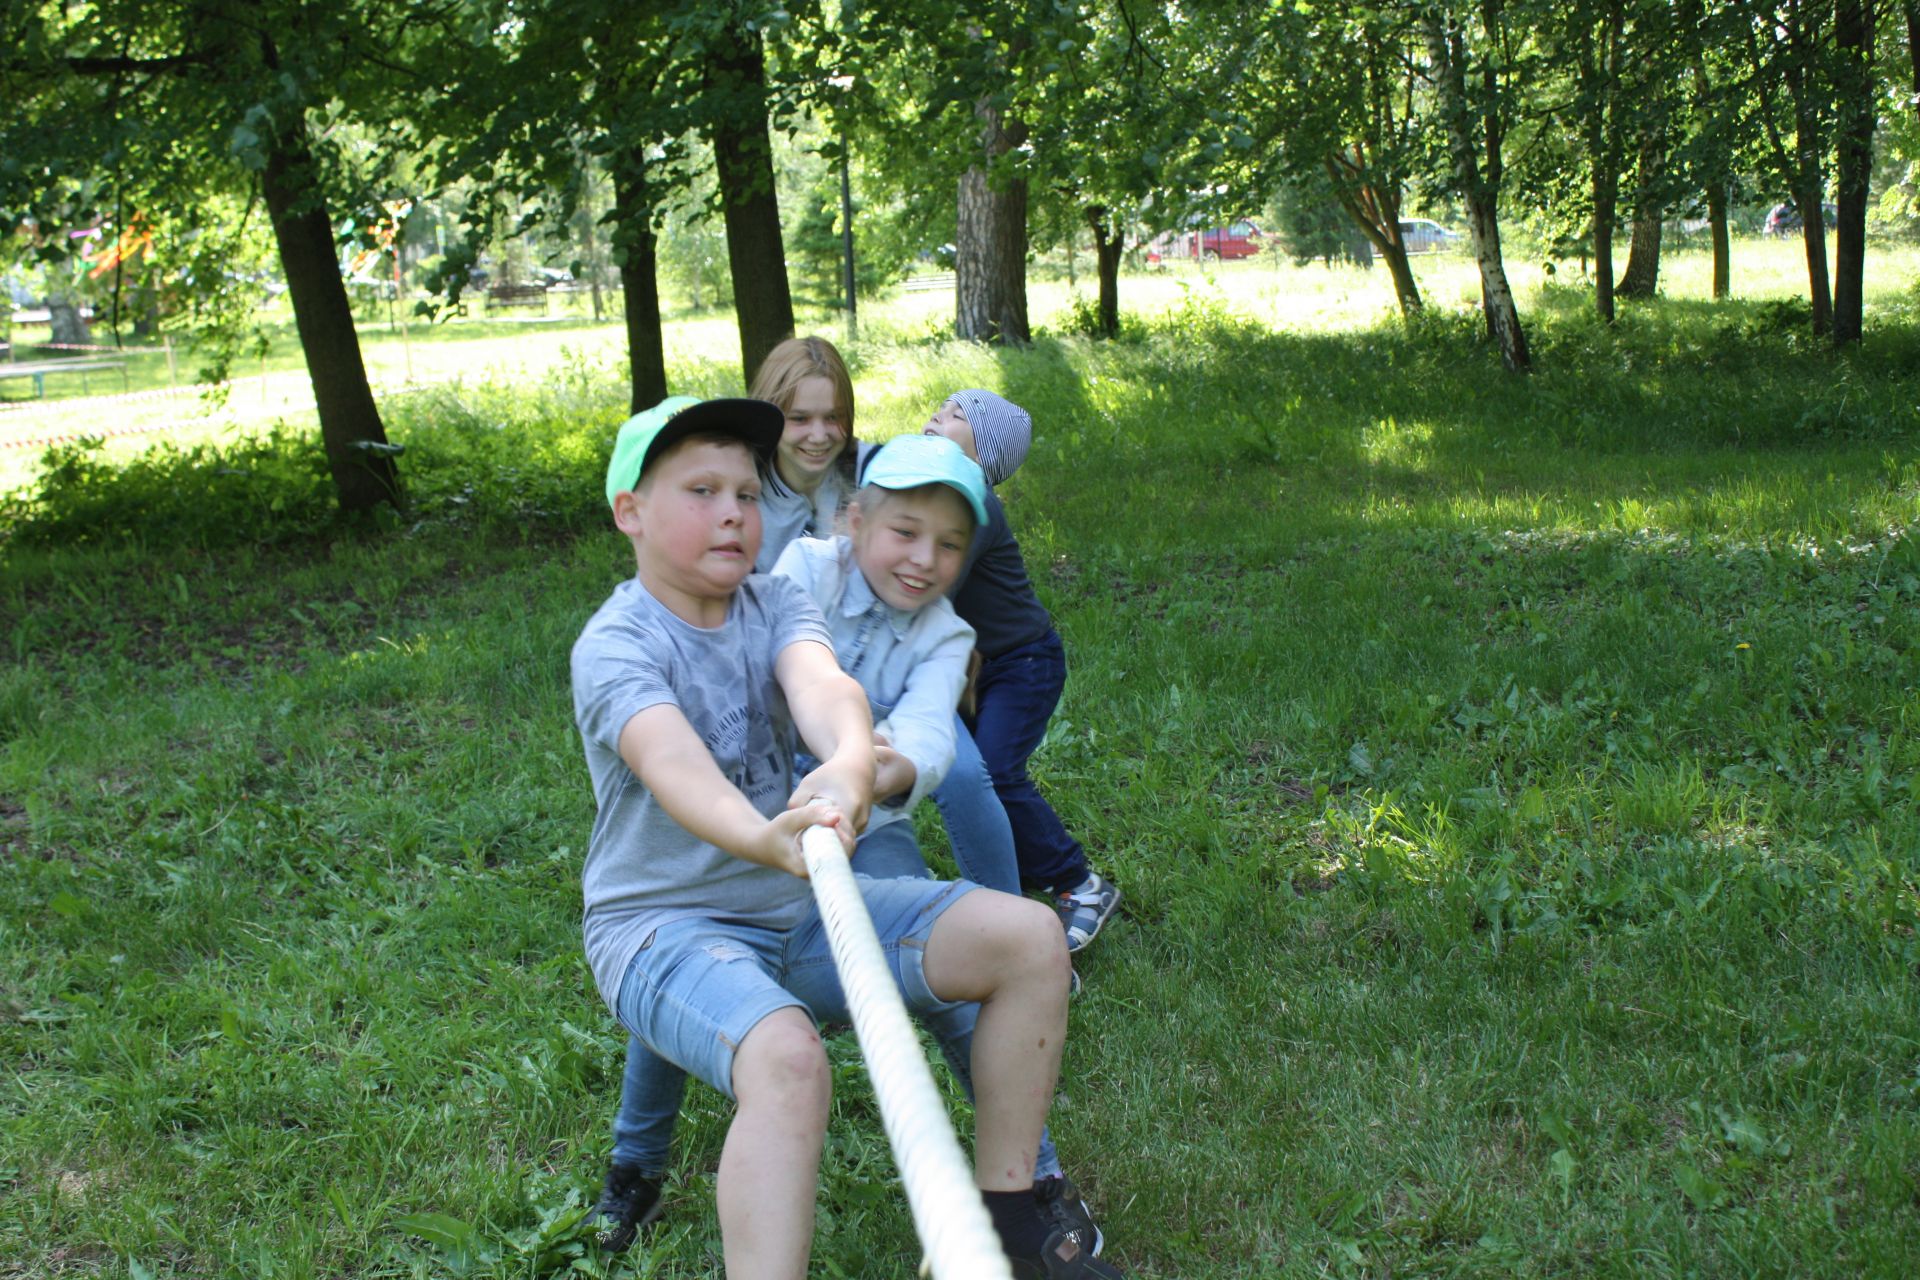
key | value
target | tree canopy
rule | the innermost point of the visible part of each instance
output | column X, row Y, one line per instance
column 190, row 144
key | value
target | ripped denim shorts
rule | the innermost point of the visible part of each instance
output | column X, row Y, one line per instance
column 697, row 986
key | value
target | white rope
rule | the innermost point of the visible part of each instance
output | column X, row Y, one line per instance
column 951, row 1218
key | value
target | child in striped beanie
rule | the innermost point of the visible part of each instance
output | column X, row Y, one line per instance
column 1023, row 670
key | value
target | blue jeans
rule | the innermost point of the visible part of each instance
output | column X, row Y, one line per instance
column 651, row 1088
column 977, row 826
column 1017, row 692
column 889, row 852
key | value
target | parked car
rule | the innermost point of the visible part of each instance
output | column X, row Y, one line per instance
column 1241, row 239
column 1235, row 240
column 1784, row 220
column 1424, row 235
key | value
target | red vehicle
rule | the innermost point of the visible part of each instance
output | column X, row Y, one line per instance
column 1240, row 239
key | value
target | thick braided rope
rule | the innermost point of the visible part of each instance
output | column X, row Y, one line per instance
column 952, row 1220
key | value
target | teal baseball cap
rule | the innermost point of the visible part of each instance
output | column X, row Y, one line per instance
column 907, row 462
column 645, row 436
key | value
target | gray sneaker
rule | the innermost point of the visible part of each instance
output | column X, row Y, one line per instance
column 1083, row 910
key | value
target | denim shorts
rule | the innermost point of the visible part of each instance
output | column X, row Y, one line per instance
column 697, row 986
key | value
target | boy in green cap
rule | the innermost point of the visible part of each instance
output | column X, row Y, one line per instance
column 691, row 684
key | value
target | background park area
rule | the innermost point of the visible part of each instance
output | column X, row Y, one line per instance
column 1512, row 780
column 1476, row 476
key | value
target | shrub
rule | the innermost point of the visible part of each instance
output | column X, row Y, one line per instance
column 263, row 489
column 493, row 454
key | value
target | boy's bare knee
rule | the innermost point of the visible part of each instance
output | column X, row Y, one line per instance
column 1029, row 936
column 782, row 1061
column 1038, row 929
column 989, row 939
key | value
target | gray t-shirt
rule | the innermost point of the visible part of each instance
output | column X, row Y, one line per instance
column 643, row 869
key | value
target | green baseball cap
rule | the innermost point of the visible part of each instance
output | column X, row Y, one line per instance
column 907, row 462
column 643, row 437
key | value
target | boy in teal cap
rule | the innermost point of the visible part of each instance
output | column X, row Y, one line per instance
column 693, row 686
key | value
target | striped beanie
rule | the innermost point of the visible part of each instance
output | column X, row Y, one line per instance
column 1002, row 431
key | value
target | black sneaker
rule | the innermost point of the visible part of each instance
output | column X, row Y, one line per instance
column 1061, row 1207
column 1062, row 1258
column 629, row 1203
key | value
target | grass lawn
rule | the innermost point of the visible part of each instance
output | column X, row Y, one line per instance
column 1512, row 782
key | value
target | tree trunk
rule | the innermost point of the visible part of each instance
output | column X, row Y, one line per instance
column 1641, row 279
column 1406, row 292
column 1807, row 184
column 1392, row 248
column 69, row 326
column 593, row 262
column 1600, row 69
column 362, row 464
column 1722, row 254
column 635, row 249
column 1716, row 163
column 1798, row 166
column 990, row 244
column 1642, row 276
column 846, row 238
column 1108, row 243
column 743, row 161
column 1376, row 211
column 1913, row 48
column 1496, row 296
column 1479, row 184
column 1606, row 200
column 1853, row 24
column 1813, row 236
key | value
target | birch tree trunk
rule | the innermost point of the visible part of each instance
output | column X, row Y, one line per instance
column 1477, row 174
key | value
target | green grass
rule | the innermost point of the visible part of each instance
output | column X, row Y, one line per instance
column 1512, row 781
